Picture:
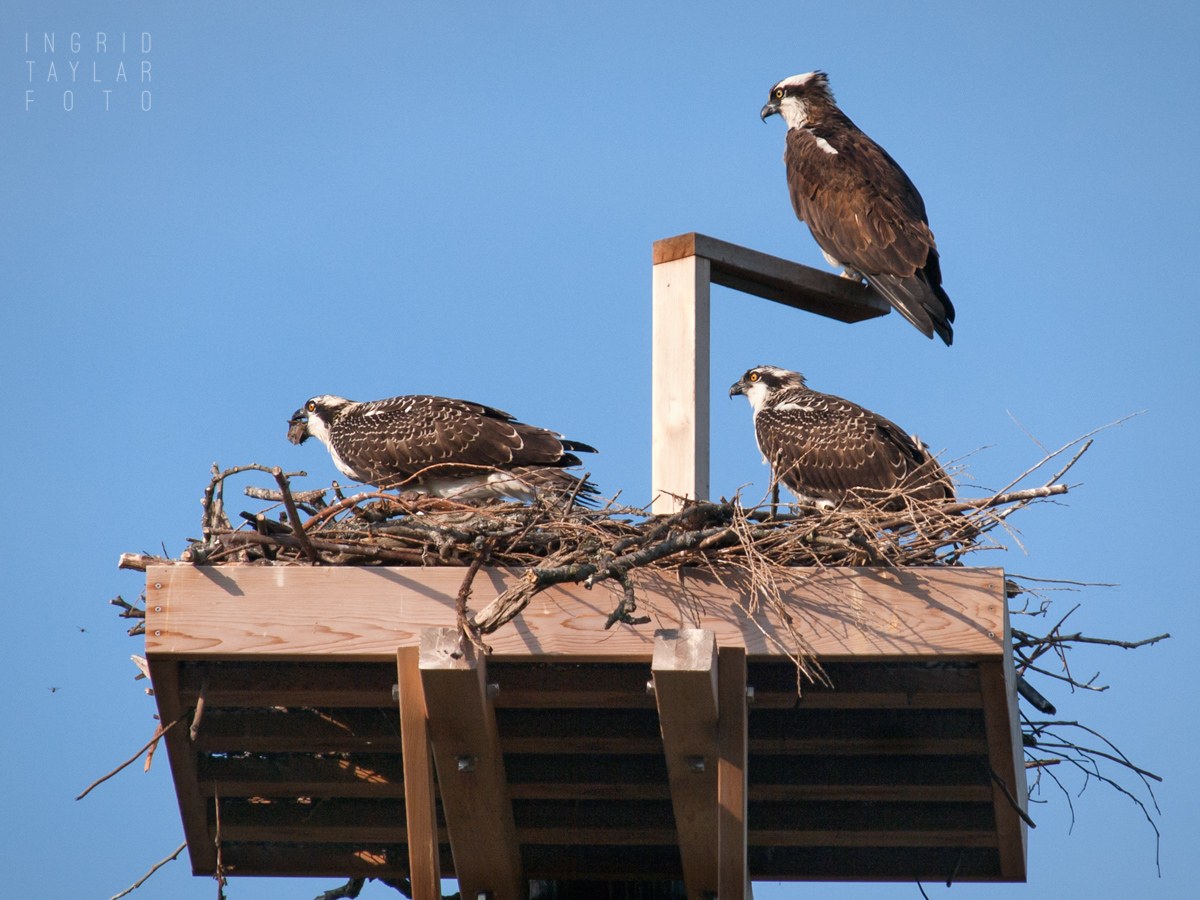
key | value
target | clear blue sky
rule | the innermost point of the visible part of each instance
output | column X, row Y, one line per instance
column 419, row 198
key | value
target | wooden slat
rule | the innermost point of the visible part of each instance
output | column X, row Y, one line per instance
column 685, row 686
column 679, row 389
column 811, row 838
column 314, row 861
column 299, row 731
column 1007, row 757
column 256, row 612
column 475, row 801
column 419, row 804
column 731, row 777
column 780, row 280
column 367, row 776
column 871, row 793
column 164, row 675
column 290, row 684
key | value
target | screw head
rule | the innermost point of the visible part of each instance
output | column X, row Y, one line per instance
column 158, row 585
column 466, row 764
column 991, row 635
column 650, row 687
column 991, row 609
column 395, row 693
column 158, row 634
column 158, row 609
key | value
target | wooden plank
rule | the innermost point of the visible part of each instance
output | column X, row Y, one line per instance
column 283, row 683
column 685, row 687
column 470, row 769
column 164, row 675
column 258, row 612
column 420, row 806
column 731, row 777
column 365, row 775
column 679, row 386
column 299, row 731
column 813, row 838
column 870, row 793
column 1007, row 757
column 780, row 280
column 329, row 861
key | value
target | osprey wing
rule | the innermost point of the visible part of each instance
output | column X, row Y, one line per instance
column 826, row 447
column 394, row 439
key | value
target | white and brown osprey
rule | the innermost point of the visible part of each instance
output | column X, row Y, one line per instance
column 829, row 451
column 863, row 211
column 443, row 447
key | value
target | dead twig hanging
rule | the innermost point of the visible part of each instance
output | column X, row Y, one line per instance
column 158, row 865
column 158, row 733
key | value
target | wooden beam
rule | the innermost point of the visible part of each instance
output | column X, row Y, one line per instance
column 470, row 768
column 773, row 278
column 731, row 779
column 679, row 391
column 685, row 687
column 164, row 676
column 420, row 808
column 282, row 613
column 1007, row 757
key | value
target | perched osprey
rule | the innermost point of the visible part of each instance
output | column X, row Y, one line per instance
column 827, row 450
column 443, row 447
column 865, row 214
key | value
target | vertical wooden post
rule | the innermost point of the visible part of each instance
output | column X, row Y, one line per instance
column 470, row 768
column 1007, row 755
column 420, row 810
column 679, row 460
column 685, row 688
column 733, row 876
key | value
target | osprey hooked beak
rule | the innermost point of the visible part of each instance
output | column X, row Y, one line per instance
column 770, row 109
column 298, row 427
column 738, row 387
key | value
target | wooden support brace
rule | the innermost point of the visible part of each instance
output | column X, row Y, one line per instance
column 1007, row 755
column 164, row 675
column 679, row 393
column 733, row 876
column 470, row 767
column 685, row 688
column 420, row 810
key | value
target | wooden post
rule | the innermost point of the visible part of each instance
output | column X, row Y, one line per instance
column 164, row 675
column 685, row 688
column 420, row 810
column 733, row 877
column 1007, row 758
column 470, row 768
column 679, row 462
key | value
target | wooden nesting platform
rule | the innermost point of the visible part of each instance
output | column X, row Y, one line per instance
column 674, row 750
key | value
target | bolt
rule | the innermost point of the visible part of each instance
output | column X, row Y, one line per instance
column 991, row 635
column 158, row 634
column 158, row 584
column 749, row 693
column 158, row 609
column 493, row 689
column 650, row 687
column 695, row 763
column 466, row 764
column 395, row 693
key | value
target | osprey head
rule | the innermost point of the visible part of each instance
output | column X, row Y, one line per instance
column 792, row 97
column 315, row 418
column 760, row 383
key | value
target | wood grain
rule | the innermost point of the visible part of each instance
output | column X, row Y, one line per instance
column 685, row 686
column 679, row 382
column 731, row 777
column 773, row 278
column 419, row 805
column 365, row 613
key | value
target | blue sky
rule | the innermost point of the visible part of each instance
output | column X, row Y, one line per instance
column 411, row 198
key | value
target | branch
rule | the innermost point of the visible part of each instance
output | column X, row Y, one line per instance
column 158, row 733
column 158, row 865
column 297, row 525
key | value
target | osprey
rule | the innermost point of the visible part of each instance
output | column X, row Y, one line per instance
column 827, row 450
column 865, row 214
column 443, row 447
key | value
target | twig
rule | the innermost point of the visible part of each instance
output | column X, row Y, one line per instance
column 199, row 713
column 158, row 865
column 297, row 525
column 158, row 733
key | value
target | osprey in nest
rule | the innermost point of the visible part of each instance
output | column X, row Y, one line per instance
column 865, row 214
column 442, row 447
column 829, row 451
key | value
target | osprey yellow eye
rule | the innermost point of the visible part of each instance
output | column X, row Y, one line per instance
column 779, row 92
column 754, row 376
column 310, row 406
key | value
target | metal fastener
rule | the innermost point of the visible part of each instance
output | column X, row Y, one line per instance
column 466, row 764
column 158, row 609
column 991, row 635
column 492, row 689
column 158, row 634
column 749, row 693
column 650, row 687
column 158, row 584
column 695, row 763
column 395, row 693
